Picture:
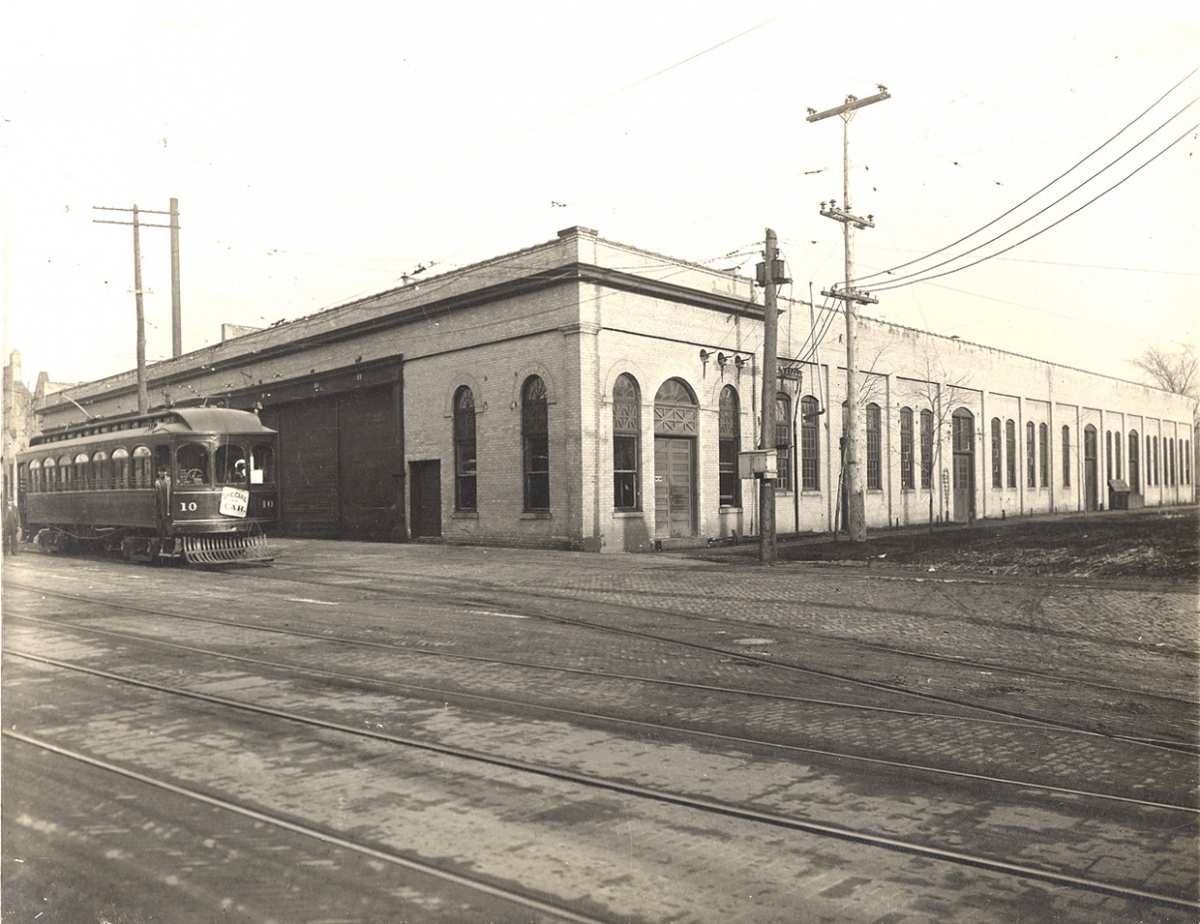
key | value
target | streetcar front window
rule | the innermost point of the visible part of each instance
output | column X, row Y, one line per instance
column 231, row 464
column 262, row 469
column 192, row 461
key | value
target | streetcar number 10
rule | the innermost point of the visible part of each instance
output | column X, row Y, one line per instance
column 187, row 506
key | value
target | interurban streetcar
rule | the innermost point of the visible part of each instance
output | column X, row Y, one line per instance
column 196, row 484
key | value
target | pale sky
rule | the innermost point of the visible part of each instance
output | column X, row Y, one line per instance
column 321, row 151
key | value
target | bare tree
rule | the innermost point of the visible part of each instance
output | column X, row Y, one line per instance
column 939, row 392
column 1176, row 371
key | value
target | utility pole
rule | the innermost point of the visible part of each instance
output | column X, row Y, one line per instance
column 176, row 336
column 856, row 521
column 770, row 274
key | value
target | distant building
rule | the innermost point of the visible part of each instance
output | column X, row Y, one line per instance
column 586, row 394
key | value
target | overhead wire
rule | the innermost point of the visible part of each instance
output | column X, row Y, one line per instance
column 1038, row 192
column 921, row 277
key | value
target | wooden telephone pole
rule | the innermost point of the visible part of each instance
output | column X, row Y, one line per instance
column 176, row 319
column 856, row 521
column 771, row 274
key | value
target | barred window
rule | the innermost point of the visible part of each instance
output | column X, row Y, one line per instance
column 466, row 464
column 627, row 435
column 1010, row 450
column 783, row 441
column 997, row 454
column 535, row 440
column 810, row 443
column 907, row 481
column 926, row 449
column 874, row 448
column 729, row 443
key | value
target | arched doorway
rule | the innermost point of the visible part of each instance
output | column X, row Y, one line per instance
column 1091, row 483
column 962, row 433
column 676, row 426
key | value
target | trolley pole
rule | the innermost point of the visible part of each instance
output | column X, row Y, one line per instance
column 176, row 337
column 856, row 522
column 770, row 274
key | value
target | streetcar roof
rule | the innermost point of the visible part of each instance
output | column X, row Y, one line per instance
column 200, row 421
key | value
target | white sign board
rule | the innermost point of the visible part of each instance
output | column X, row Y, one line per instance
column 234, row 501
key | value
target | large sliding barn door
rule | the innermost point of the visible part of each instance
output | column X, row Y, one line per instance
column 338, row 459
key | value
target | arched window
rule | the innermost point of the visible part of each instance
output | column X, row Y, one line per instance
column 1135, row 483
column 1044, row 454
column 1171, row 451
column 120, row 462
column 1030, row 455
column 1187, row 460
column 191, row 460
column 627, row 443
column 535, row 440
column 907, row 474
column 1108, row 455
column 66, row 472
column 997, row 455
column 101, row 469
column 927, row 449
column 874, row 448
column 1149, row 462
column 83, row 471
column 810, row 443
column 1117, row 454
column 1010, row 452
column 142, row 477
column 1066, row 456
column 728, row 447
column 465, row 463
column 50, row 467
column 783, row 441
column 35, row 476
column 230, row 463
column 262, row 464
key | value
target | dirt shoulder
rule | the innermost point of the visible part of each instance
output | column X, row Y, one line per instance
column 1153, row 545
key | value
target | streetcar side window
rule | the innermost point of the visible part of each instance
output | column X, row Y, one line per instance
column 141, row 467
column 262, row 470
column 192, row 460
column 35, row 476
column 51, row 474
column 66, row 472
column 100, row 469
column 120, row 464
column 231, row 464
column 83, row 470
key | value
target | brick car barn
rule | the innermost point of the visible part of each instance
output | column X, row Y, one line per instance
column 586, row 394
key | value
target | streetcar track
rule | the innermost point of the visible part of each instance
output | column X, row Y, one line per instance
column 565, row 596
column 320, row 834
column 963, row 858
column 447, row 695
column 1005, row 716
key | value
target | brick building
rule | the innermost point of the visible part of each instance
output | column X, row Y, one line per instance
column 586, row 394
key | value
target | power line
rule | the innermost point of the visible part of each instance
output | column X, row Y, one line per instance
column 1048, row 185
column 901, row 284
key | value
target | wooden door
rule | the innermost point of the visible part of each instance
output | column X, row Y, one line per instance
column 674, row 494
column 426, row 499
